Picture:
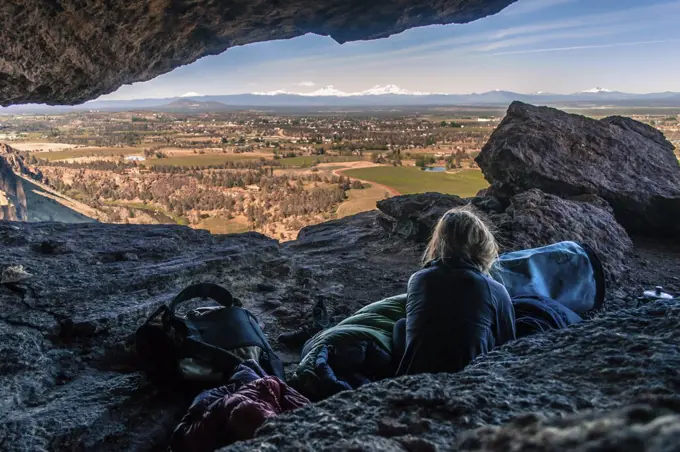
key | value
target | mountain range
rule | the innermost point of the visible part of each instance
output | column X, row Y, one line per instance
column 378, row 96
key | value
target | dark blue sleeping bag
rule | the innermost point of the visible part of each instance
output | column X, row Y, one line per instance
column 566, row 272
column 551, row 286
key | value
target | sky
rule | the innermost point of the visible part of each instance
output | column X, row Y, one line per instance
column 555, row 46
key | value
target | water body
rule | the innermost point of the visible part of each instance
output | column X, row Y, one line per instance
column 435, row 169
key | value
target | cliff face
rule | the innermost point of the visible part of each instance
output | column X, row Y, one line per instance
column 11, row 187
column 94, row 47
column 28, row 200
column 629, row 164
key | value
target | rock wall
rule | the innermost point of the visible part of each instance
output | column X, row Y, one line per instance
column 71, row 51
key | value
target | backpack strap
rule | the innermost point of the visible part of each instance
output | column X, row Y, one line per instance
column 204, row 290
column 272, row 359
column 218, row 357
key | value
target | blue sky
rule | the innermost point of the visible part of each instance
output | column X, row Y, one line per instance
column 558, row 46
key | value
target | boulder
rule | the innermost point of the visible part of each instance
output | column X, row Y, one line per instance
column 629, row 164
column 601, row 365
column 532, row 219
column 536, row 219
column 414, row 216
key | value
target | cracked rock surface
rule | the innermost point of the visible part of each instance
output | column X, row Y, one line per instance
column 71, row 51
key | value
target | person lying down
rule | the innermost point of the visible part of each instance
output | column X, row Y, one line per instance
column 465, row 301
column 454, row 310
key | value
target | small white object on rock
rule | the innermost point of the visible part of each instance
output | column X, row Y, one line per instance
column 14, row 274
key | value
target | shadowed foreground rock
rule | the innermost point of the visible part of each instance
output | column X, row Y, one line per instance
column 629, row 164
column 602, row 364
column 68, row 375
column 71, row 51
column 653, row 426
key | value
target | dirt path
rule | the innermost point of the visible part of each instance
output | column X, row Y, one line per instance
column 357, row 165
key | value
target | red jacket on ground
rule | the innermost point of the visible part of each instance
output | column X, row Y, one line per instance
column 220, row 417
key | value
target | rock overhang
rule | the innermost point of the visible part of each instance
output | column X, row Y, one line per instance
column 72, row 51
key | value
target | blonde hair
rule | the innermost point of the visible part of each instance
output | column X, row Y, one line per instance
column 462, row 233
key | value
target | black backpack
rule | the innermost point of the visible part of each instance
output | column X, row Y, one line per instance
column 205, row 346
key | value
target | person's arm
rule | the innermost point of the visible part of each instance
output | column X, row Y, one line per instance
column 505, row 320
column 419, row 296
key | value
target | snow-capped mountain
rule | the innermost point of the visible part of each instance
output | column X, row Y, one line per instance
column 332, row 91
column 378, row 96
column 278, row 92
column 380, row 90
column 597, row 90
column 329, row 90
column 191, row 94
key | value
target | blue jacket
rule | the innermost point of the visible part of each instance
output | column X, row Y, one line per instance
column 453, row 314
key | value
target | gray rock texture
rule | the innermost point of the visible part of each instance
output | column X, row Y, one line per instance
column 651, row 426
column 629, row 164
column 68, row 371
column 71, row 51
column 414, row 216
column 602, row 364
column 13, row 205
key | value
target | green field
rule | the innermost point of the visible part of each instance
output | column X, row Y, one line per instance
column 199, row 160
column 407, row 180
column 86, row 152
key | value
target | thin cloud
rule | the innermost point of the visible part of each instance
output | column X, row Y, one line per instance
column 574, row 34
column 533, row 6
column 594, row 46
column 307, row 84
column 460, row 44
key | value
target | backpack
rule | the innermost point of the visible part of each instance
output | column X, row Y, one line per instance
column 203, row 347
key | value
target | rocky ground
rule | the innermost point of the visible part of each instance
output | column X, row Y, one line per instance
column 72, row 296
column 68, row 376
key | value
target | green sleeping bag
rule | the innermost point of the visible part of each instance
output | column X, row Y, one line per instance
column 373, row 322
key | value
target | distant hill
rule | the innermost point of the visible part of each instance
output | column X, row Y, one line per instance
column 378, row 96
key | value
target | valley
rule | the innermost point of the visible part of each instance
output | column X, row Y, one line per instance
column 231, row 172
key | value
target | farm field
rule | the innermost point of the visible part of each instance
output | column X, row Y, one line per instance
column 75, row 153
column 408, row 180
column 200, row 160
column 311, row 160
